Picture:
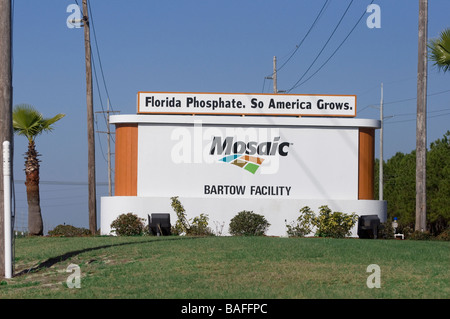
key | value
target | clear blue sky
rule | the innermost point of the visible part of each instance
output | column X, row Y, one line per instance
column 208, row 46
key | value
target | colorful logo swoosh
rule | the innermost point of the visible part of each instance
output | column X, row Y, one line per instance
column 247, row 162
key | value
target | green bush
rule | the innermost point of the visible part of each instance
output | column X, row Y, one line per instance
column 182, row 223
column 445, row 235
column 69, row 231
column 247, row 223
column 304, row 223
column 426, row 235
column 128, row 225
column 418, row 235
column 327, row 223
column 198, row 226
column 333, row 224
column 386, row 231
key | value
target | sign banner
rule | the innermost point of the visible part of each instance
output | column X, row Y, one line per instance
column 246, row 104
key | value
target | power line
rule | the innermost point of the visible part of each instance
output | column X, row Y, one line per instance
column 415, row 98
column 105, row 113
column 70, row 188
column 414, row 119
column 104, row 116
column 429, row 112
column 100, row 142
column 323, row 47
column 264, row 84
column 340, row 45
column 404, row 100
column 98, row 52
column 71, row 183
column 306, row 35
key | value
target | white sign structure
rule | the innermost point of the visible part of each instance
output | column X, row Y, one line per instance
column 268, row 153
column 246, row 104
column 247, row 162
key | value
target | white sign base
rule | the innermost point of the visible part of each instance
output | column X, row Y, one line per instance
column 278, row 212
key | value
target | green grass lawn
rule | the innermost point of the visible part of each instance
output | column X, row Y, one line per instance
column 228, row 267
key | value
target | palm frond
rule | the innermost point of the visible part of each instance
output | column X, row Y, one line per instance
column 48, row 122
column 26, row 120
column 29, row 122
column 440, row 50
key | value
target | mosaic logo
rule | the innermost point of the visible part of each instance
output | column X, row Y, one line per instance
column 249, row 163
column 193, row 146
column 244, row 155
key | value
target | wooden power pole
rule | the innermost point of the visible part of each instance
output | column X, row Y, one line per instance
column 90, row 124
column 274, row 76
column 5, row 107
column 381, row 173
column 421, row 129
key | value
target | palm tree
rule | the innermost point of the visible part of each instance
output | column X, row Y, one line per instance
column 440, row 50
column 29, row 122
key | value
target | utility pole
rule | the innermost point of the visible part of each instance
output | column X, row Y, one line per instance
column 275, row 89
column 381, row 183
column 421, row 129
column 5, row 107
column 274, row 76
column 108, row 134
column 90, row 124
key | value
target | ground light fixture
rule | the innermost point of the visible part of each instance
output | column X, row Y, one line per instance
column 368, row 226
column 159, row 224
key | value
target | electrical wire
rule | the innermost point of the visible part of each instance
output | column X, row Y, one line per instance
column 428, row 112
column 101, row 103
column 100, row 143
column 269, row 76
column 415, row 98
column 306, row 35
column 403, row 100
column 411, row 120
column 69, row 183
column 324, row 46
column 91, row 20
column 101, row 68
column 340, row 45
column 98, row 54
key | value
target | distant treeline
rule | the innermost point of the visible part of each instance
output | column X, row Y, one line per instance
column 400, row 186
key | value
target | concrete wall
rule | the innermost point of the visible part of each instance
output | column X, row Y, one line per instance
column 278, row 212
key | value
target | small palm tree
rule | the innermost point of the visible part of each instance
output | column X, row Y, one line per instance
column 29, row 122
column 440, row 50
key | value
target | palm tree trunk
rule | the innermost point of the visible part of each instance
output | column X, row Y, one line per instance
column 35, row 225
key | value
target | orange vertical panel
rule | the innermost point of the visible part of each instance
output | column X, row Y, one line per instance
column 366, row 163
column 126, row 154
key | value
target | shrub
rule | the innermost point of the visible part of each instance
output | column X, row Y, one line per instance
column 418, row 235
column 69, row 231
column 304, row 223
column 333, row 224
column 128, row 225
column 445, row 235
column 182, row 223
column 327, row 223
column 386, row 231
column 247, row 223
column 198, row 226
